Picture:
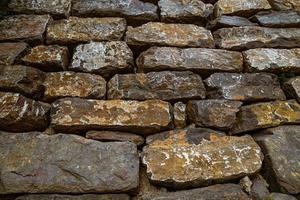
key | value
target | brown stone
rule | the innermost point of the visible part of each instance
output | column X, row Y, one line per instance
column 292, row 88
column 244, row 87
column 166, row 85
column 76, row 30
column 285, row 4
column 162, row 34
column 180, row 116
column 196, row 157
column 10, row 52
column 74, row 197
column 70, row 84
column 225, row 21
column 19, row 113
column 280, row 196
column 259, row 188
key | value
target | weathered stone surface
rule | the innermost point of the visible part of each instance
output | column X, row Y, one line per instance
column 133, row 10
column 166, row 85
column 250, row 37
column 292, row 88
column 74, row 197
column 9, row 52
column 241, row 8
column 280, row 196
column 285, row 4
column 70, row 84
column 197, row 157
column 272, row 60
column 29, row 28
column 259, row 188
column 185, row 11
column 68, row 164
column 199, row 60
column 75, row 30
column 268, row 114
column 105, row 58
column 74, row 114
column 278, row 19
column 59, row 8
column 244, row 87
column 220, row 114
column 225, row 21
column 246, row 184
column 180, row 115
column 181, row 35
column 107, row 136
column 48, row 58
column 19, row 113
column 22, row 79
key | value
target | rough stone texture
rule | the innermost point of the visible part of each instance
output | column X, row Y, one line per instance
column 225, row 21
column 281, row 146
column 259, row 188
column 60, row 8
column 246, row 184
column 185, row 11
column 249, row 37
column 19, row 113
column 105, row 58
column 70, row 84
column 68, row 164
column 285, row 4
column 292, row 88
column 199, row 60
column 244, row 87
column 220, row 114
column 10, row 52
column 241, row 8
column 28, row 28
column 162, row 34
column 180, row 116
column 278, row 19
column 75, row 30
column 133, row 10
column 197, row 157
column 74, row 197
column 48, row 58
column 74, row 114
column 280, row 196
column 268, row 114
column 107, row 136
column 22, row 79
column 166, row 85
column 272, row 60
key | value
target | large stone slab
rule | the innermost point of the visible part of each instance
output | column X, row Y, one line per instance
column 19, row 113
column 244, row 87
column 268, row 114
column 104, row 58
column 292, row 88
column 166, row 85
column 70, row 84
column 162, row 34
column 74, row 197
column 225, row 21
column 74, row 114
column 68, row 164
column 199, row 60
column 285, row 4
column 196, row 157
column 10, row 52
column 29, row 28
column 250, row 37
column 272, row 60
column 60, row 8
column 76, row 30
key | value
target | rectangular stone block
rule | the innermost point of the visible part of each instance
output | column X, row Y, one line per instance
column 10, row 52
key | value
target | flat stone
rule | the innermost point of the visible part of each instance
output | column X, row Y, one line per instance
column 199, row 60
column 76, row 30
column 70, row 84
column 10, row 52
column 196, row 157
column 272, row 60
column 22, row 79
column 219, row 114
column 251, row 37
column 225, row 21
column 285, row 5
column 74, row 197
column 180, row 115
column 185, row 11
column 162, row 34
column 244, row 8
column 292, row 88
column 48, row 58
column 39, row 163
column 133, row 10
column 265, row 115
column 244, row 87
column 75, row 115
column 104, row 58
column 107, row 136
column 166, row 85
column 19, row 113
column 28, row 28
column 280, row 196
column 60, row 8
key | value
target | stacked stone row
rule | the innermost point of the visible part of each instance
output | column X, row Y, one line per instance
column 211, row 85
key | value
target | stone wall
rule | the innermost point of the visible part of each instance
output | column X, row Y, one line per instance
column 150, row 100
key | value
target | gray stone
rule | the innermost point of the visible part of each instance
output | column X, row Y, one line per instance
column 225, row 21
column 180, row 115
column 292, row 88
column 259, row 188
column 280, row 196
column 74, row 197
column 10, row 52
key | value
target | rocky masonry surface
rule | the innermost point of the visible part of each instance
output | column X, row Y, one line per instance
column 150, row 100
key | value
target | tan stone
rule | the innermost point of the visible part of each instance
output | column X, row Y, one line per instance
column 10, row 52
column 285, row 4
